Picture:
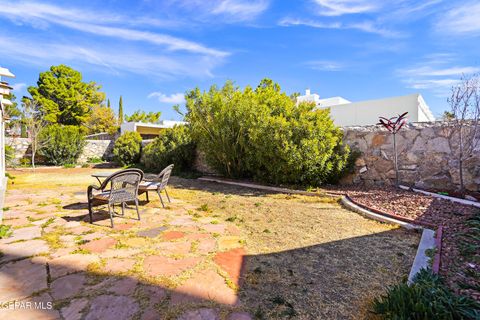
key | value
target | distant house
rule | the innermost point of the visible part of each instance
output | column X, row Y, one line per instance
column 346, row 113
column 149, row 130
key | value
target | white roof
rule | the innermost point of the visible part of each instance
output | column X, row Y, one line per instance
column 333, row 101
column 4, row 72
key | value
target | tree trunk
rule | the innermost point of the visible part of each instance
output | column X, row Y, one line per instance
column 462, row 186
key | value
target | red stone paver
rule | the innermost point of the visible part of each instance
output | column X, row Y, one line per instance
column 204, row 285
column 123, row 226
column 214, row 228
column 200, row 314
column 114, row 265
column 233, row 230
column 24, row 234
column 124, row 287
column 79, row 230
column 173, row 247
column 20, row 279
column 198, row 236
column 109, row 307
column 239, row 316
column 172, row 235
column 70, row 263
column 232, row 262
column 18, row 250
column 207, row 245
column 163, row 266
column 74, row 310
column 100, row 245
column 67, row 286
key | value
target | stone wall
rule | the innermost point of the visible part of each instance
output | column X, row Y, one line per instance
column 93, row 149
column 426, row 157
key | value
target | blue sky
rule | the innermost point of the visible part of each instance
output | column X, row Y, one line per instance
column 151, row 52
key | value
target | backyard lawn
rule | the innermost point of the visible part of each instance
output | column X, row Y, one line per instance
column 216, row 252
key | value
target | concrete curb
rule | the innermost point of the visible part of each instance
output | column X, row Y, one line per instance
column 422, row 261
column 441, row 196
column 349, row 204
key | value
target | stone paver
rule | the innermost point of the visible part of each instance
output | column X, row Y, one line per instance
column 174, row 247
column 200, row 314
column 204, row 285
column 214, row 228
column 151, row 233
column 228, row 242
column 100, row 245
column 79, row 230
column 19, row 250
column 172, row 235
column 70, row 263
column 74, row 310
column 136, row 242
column 20, row 279
column 72, row 224
column 206, row 245
column 124, row 287
column 233, row 230
column 120, row 253
column 114, row 265
column 232, row 262
column 93, row 236
column 239, row 316
column 163, row 266
column 67, row 286
column 123, row 226
column 24, row 234
column 155, row 293
column 109, row 307
column 150, row 314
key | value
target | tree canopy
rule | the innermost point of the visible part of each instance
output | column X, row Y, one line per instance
column 142, row 116
column 63, row 97
column 101, row 119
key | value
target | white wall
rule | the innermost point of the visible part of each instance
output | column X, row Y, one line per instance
column 367, row 112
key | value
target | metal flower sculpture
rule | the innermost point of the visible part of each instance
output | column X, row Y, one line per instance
column 393, row 125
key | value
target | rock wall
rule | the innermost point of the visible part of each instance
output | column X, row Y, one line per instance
column 426, row 157
column 93, row 149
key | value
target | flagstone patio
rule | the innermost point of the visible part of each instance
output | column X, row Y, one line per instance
column 188, row 261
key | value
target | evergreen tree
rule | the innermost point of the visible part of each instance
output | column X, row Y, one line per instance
column 108, row 104
column 120, row 111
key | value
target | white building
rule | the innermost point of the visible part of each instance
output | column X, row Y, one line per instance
column 149, row 130
column 4, row 91
column 346, row 113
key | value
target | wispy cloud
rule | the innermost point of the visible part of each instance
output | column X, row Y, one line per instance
column 227, row 11
column 461, row 19
column 436, row 73
column 18, row 86
column 366, row 26
column 325, row 65
column 342, row 7
column 38, row 14
column 111, row 59
column 174, row 98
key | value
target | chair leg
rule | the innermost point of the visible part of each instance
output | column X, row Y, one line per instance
column 111, row 214
column 161, row 200
column 123, row 208
column 167, row 195
column 90, row 211
column 147, row 196
column 136, row 206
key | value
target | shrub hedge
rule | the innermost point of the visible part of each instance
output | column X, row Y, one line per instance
column 262, row 134
column 61, row 144
column 127, row 148
column 175, row 146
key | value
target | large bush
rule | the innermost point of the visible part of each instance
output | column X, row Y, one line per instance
column 60, row 144
column 264, row 135
column 127, row 148
column 172, row 146
column 426, row 298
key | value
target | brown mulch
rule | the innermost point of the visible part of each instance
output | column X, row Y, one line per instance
column 460, row 270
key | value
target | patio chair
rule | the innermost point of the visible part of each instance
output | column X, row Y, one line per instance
column 119, row 188
column 157, row 183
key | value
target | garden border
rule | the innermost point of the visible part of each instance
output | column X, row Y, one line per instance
column 441, row 196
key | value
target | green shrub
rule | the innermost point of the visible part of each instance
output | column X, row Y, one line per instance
column 61, row 144
column 175, row 146
column 426, row 298
column 263, row 134
column 127, row 148
column 9, row 154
